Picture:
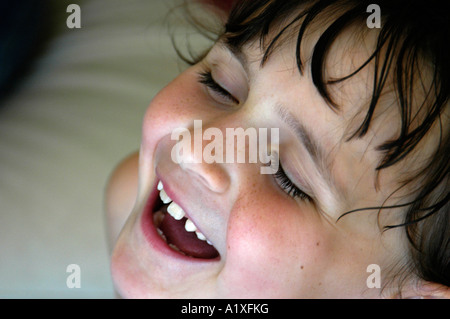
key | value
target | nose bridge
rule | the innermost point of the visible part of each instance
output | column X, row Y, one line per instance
column 210, row 148
column 201, row 154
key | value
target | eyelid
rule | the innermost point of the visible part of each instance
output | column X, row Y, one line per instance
column 288, row 186
column 207, row 79
column 228, row 71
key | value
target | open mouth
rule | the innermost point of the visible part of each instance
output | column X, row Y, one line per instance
column 178, row 231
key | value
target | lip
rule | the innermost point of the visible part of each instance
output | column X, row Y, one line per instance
column 156, row 243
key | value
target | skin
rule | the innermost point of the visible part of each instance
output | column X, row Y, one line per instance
column 270, row 244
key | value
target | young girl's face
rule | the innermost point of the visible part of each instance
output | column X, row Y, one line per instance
column 272, row 241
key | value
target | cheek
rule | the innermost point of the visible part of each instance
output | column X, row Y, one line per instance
column 275, row 247
column 177, row 105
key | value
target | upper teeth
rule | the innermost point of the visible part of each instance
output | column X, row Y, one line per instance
column 178, row 213
column 175, row 211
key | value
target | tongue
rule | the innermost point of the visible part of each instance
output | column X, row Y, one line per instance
column 185, row 241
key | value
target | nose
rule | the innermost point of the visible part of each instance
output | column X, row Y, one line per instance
column 202, row 157
column 212, row 175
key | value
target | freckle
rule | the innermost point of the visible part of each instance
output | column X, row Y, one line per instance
column 320, row 284
column 317, row 244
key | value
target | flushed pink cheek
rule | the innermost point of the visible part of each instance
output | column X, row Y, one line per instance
column 276, row 246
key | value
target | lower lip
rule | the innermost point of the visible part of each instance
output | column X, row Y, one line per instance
column 154, row 240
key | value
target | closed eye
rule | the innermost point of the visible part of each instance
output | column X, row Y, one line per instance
column 205, row 77
column 288, row 186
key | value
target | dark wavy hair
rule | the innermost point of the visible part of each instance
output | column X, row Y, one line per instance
column 411, row 32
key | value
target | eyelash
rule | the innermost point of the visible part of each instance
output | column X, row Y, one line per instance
column 207, row 79
column 288, row 186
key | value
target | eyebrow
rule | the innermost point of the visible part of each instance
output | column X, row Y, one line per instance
column 314, row 149
column 236, row 51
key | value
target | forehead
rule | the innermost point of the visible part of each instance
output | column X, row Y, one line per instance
column 330, row 52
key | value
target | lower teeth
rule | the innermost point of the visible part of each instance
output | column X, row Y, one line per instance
column 158, row 218
column 176, row 249
column 161, row 234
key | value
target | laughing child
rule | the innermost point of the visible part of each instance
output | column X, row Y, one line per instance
column 359, row 204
